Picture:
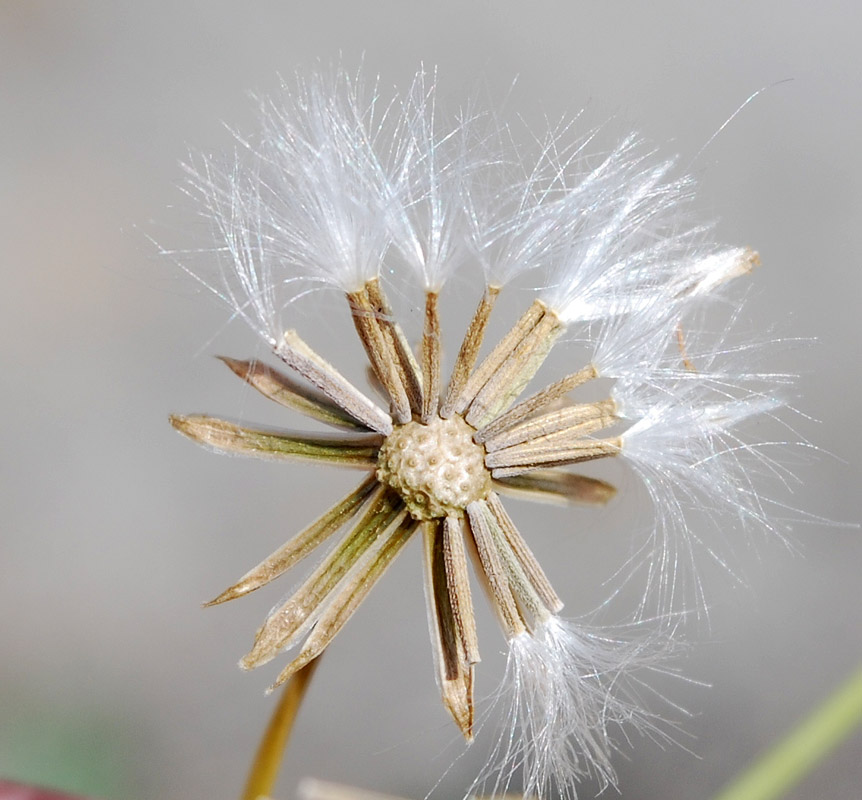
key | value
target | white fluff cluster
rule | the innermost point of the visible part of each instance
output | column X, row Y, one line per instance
column 340, row 186
column 572, row 695
column 692, row 458
column 619, row 220
column 306, row 204
column 428, row 217
column 343, row 185
column 512, row 210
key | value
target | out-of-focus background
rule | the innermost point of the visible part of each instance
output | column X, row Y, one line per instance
column 113, row 681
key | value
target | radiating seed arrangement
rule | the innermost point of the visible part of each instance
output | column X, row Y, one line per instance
column 341, row 184
column 428, row 471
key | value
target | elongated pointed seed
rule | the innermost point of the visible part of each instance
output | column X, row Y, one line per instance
column 299, row 546
column 454, row 672
column 514, row 461
column 532, row 569
column 493, row 573
column 536, row 403
column 290, row 621
column 407, row 365
column 556, row 486
column 533, row 609
column 278, row 387
column 578, row 420
column 381, row 352
column 457, row 577
column 469, row 351
column 321, row 374
column 430, row 358
column 349, row 594
column 574, row 436
column 497, row 356
column 229, row 438
column 513, row 375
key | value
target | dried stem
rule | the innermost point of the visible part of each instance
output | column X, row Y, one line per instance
column 270, row 752
column 775, row 773
column 469, row 351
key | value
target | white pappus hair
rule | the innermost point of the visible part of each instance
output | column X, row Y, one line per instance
column 687, row 448
column 571, row 696
column 428, row 222
column 307, row 204
column 617, row 227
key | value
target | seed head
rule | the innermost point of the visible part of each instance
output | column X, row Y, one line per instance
column 341, row 185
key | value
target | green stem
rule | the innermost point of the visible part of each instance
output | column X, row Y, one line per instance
column 796, row 755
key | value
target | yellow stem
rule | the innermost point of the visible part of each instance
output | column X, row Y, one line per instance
column 264, row 769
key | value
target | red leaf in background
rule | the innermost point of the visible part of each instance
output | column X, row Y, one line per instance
column 20, row 791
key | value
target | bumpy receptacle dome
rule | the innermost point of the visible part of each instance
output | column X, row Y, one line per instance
column 437, row 468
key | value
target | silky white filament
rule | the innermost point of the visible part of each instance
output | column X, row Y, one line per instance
column 428, row 219
column 609, row 221
column 513, row 221
column 568, row 693
column 306, row 205
column 692, row 458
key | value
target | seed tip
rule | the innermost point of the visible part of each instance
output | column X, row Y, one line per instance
column 227, row 594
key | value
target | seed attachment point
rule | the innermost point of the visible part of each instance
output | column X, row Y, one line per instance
column 436, row 468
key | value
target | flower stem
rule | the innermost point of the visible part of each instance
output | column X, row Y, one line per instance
column 264, row 769
column 797, row 754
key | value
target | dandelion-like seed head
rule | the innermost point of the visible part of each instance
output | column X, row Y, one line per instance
column 342, row 184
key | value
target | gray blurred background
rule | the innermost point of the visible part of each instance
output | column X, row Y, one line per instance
column 113, row 680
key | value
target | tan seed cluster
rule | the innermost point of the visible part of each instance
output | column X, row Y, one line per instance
column 436, row 468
